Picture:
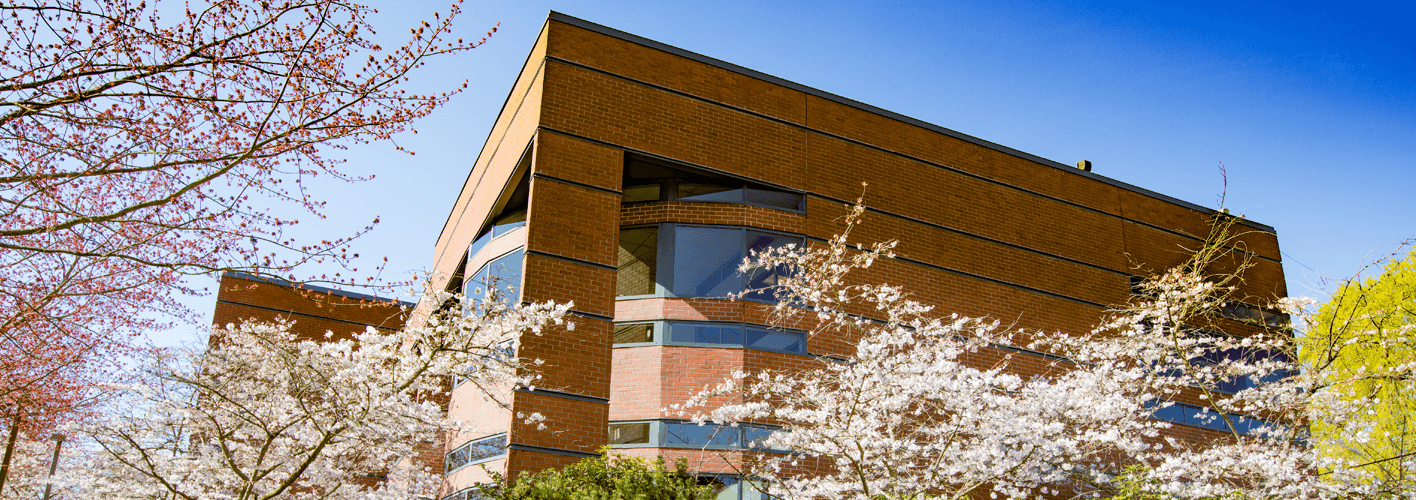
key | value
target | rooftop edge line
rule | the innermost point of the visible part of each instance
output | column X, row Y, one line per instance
column 660, row 46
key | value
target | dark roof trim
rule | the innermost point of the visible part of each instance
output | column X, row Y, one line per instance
column 313, row 288
column 629, row 37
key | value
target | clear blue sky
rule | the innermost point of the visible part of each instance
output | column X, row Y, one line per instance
column 1311, row 106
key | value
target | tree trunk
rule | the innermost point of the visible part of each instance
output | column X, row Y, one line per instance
column 9, row 450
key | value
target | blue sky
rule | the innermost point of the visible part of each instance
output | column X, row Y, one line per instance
column 1310, row 106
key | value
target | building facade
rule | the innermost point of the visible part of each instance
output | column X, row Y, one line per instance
column 632, row 177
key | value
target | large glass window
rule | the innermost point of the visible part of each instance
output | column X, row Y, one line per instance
column 1181, row 413
column 647, row 181
column 695, row 333
column 701, row 261
column 503, row 272
column 681, row 434
column 476, row 451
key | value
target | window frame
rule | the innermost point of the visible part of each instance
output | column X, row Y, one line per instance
column 501, row 455
column 659, row 427
column 469, row 279
column 1245, row 424
column 664, row 327
column 664, row 260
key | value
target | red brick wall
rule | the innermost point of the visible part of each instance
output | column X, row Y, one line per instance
column 982, row 231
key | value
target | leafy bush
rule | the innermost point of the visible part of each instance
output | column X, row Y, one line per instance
column 609, row 477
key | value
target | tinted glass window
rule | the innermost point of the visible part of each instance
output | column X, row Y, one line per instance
column 670, row 183
column 480, row 449
column 630, row 334
column 638, row 259
column 720, row 193
column 633, row 433
column 758, row 338
column 692, row 434
column 776, row 199
column 706, row 261
column 503, row 272
column 706, row 333
column 761, row 280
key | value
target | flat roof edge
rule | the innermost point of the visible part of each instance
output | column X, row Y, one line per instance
column 317, row 289
column 630, row 37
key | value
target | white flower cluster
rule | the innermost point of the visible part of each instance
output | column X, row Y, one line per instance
column 265, row 414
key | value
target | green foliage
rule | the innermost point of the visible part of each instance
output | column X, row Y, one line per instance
column 1363, row 341
column 609, row 477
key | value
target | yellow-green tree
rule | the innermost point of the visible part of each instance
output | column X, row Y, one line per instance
column 1362, row 342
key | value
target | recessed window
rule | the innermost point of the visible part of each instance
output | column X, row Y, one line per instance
column 631, row 433
column 647, row 181
column 696, row 261
column 682, row 434
column 638, row 258
column 634, row 334
column 706, row 334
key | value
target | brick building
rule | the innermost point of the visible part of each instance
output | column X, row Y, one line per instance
column 312, row 310
column 631, row 177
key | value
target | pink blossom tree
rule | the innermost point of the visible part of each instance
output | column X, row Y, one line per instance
column 141, row 142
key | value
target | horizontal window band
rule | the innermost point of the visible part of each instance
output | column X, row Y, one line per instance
column 1113, row 182
column 576, row 184
column 564, row 395
column 551, row 451
column 572, row 260
column 294, row 313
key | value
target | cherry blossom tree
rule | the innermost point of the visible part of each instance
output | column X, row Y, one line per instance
column 929, row 406
column 264, row 414
column 142, row 141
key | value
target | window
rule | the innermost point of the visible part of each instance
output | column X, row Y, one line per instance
column 510, row 209
column 697, row 333
column 631, row 433
column 681, row 434
column 634, row 334
column 696, row 261
column 647, row 181
column 1195, row 416
column 500, row 354
column 503, row 272
column 476, row 451
column 1210, row 355
column 1251, row 314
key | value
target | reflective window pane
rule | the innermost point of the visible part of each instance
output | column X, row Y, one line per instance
column 698, row 333
column 638, row 258
column 761, row 281
column 630, row 334
column 719, row 193
column 778, row 199
column 770, row 340
column 633, row 433
column 706, row 261
column 506, row 271
column 691, row 434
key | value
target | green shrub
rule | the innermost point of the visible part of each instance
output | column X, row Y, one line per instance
column 609, row 477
